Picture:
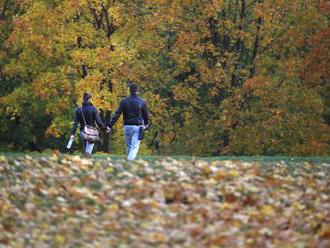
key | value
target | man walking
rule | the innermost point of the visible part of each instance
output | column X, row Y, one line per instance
column 136, row 116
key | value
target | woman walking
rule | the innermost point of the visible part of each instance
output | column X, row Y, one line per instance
column 86, row 116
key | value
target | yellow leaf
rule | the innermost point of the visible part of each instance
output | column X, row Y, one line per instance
column 253, row 189
column 59, row 240
column 234, row 173
column 298, row 206
column 206, row 169
column 268, row 210
column 156, row 237
column 220, row 174
column 114, row 207
column 226, row 205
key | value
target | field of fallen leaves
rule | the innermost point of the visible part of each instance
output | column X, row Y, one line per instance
column 66, row 201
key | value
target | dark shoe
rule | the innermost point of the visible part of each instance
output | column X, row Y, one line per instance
column 86, row 155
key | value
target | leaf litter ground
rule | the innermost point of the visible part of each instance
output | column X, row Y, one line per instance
column 58, row 201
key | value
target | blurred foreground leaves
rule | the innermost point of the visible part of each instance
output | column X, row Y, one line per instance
column 72, row 202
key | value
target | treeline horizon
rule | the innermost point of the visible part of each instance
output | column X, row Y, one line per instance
column 220, row 77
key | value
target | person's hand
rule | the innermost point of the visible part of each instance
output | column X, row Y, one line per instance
column 72, row 136
column 145, row 127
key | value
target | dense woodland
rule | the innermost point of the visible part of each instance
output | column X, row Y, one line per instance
column 238, row 77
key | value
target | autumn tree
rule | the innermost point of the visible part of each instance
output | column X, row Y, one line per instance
column 201, row 56
column 220, row 77
column 62, row 49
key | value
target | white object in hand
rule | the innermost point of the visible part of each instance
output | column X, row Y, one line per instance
column 70, row 142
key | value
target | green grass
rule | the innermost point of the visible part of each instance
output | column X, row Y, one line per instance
column 265, row 159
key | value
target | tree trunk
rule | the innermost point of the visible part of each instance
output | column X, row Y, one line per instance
column 256, row 45
column 83, row 67
column 4, row 8
column 109, row 28
column 84, row 71
column 239, row 45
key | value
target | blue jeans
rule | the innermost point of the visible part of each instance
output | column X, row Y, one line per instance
column 132, row 141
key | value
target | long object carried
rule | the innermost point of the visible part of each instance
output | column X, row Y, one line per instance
column 70, row 142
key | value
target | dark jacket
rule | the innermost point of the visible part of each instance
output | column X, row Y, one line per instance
column 134, row 110
column 91, row 115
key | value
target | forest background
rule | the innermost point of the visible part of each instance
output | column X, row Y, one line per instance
column 220, row 77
